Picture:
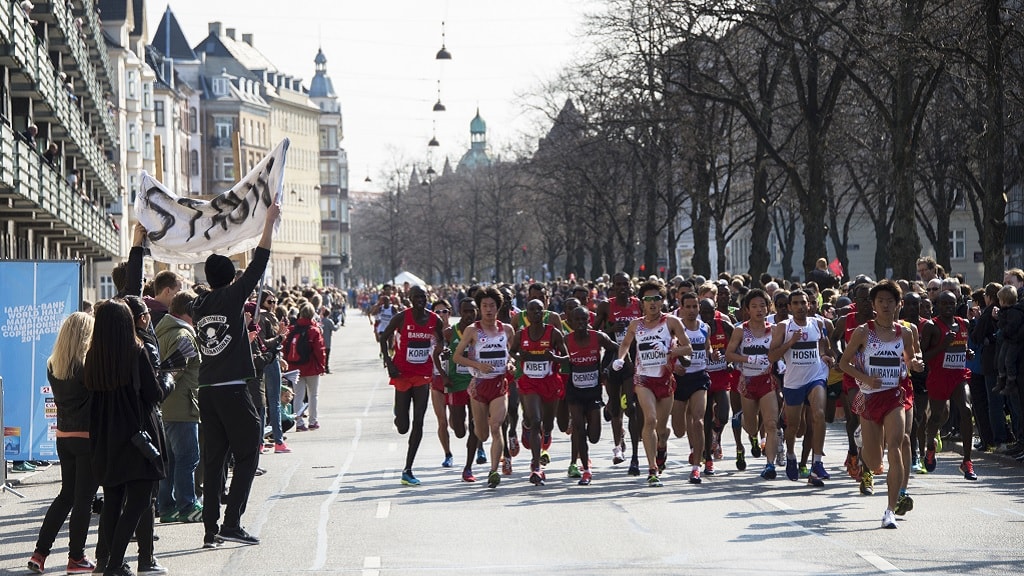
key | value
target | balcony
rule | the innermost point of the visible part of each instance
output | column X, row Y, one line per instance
column 219, row 142
column 33, row 76
column 39, row 199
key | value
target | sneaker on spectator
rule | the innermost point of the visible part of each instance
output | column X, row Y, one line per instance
column 281, row 448
column 80, row 566
column 37, row 563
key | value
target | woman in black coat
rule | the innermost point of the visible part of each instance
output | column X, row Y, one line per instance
column 126, row 394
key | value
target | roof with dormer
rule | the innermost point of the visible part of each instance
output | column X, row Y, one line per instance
column 321, row 86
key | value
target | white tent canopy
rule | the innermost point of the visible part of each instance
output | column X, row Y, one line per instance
column 406, row 276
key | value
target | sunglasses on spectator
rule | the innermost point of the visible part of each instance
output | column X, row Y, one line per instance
column 655, row 298
column 443, row 311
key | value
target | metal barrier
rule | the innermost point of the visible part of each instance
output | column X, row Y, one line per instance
column 4, row 486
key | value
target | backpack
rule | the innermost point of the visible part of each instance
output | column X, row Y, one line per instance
column 297, row 347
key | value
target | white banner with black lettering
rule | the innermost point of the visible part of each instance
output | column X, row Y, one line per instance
column 187, row 230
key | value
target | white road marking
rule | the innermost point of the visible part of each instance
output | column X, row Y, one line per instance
column 779, row 504
column 325, row 507
column 1012, row 511
column 371, row 566
column 383, row 509
column 986, row 512
column 880, row 563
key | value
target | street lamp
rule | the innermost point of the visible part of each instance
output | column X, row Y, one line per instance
column 443, row 53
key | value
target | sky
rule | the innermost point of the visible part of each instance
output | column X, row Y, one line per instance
column 381, row 60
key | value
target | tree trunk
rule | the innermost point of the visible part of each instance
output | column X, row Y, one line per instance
column 994, row 200
column 761, row 226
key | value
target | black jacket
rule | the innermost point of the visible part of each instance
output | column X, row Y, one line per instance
column 73, row 401
column 984, row 333
column 221, row 328
column 115, row 418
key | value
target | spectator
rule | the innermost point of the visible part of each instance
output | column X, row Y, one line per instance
column 329, row 328
column 29, row 135
column 64, row 371
column 52, row 156
column 822, row 276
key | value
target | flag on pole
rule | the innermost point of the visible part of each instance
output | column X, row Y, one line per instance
column 187, row 230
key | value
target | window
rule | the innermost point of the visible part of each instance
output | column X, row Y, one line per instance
column 130, row 87
column 193, row 120
column 147, row 95
column 148, row 150
column 133, row 137
column 194, row 162
column 323, row 242
column 223, row 168
column 220, row 86
column 957, row 244
column 107, row 290
column 328, row 208
column 328, row 138
column 133, row 185
column 222, row 127
column 158, row 113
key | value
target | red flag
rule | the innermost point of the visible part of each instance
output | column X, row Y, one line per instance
column 836, row 267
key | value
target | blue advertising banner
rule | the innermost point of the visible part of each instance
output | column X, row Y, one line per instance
column 36, row 298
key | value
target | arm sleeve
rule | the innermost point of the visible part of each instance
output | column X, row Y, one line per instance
column 241, row 289
column 133, row 285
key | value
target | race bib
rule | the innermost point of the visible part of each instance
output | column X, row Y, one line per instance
column 417, row 355
column 536, row 368
column 954, row 360
column 585, row 379
column 460, row 369
column 757, row 366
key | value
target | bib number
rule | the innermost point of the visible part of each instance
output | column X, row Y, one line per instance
column 584, row 380
column 417, row 355
column 954, row 360
column 536, row 369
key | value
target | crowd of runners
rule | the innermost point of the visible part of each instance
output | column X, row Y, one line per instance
column 690, row 357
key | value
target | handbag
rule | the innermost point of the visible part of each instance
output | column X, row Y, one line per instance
column 141, row 439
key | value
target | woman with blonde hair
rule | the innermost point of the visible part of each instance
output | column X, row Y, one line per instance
column 65, row 373
column 127, row 439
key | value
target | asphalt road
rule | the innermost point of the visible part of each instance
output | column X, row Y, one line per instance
column 335, row 506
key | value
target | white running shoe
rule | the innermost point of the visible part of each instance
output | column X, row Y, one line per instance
column 889, row 519
column 617, row 457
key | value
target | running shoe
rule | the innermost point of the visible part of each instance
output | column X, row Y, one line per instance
column 805, row 472
column 545, row 458
column 211, row 541
column 301, row 428
column 768, row 473
column 149, row 566
column 853, row 466
column 792, row 470
column 585, row 480
column 281, row 448
column 662, row 456
column 938, row 443
column 314, row 426
column 780, row 458
column 653, row 481
column 409, row 480
column 867, row 483
column 617, row 456
column 23, row 467
column 889, row 519
column 192, row 514
column 493, row 479
column 513, row 443
column 467, row 475
column 920, row 469
column 755, row 448
column 818, row 468
column 741, row 462
column 545, row 442
column 481, row 456
column 506, row 466
column 448, row 461
column 574, row 470
column 904, row 504
column 709, row 467
column 634, row 467
column 929, row 460
column 695, row 476
column 37, row 563
column 525, row 435
column 170, row 517
column 536, row 479
column 914, row 463
column 967, row 467
column 82, row 566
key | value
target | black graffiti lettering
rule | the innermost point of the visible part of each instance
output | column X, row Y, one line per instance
column 195, row 206
column 166, row 218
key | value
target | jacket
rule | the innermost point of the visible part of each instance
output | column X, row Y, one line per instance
column 1011, row 323
column 181, row 405
column 115, row 418
column 318, row 355
column 221, row 328
column 73, row 401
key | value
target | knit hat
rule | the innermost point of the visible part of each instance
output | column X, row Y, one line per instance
column 220, row 271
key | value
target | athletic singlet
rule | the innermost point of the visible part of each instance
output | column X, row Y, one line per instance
column 539, row 368
column 950, row 365
column 414, row 343
column 756, row 351
column 491, row 350
column 625, row 314
column 384, row 317
column 848, row 381
column 584, row 361
column 803, row 361
column 457, row 373
column 698, row 341
column 652, row 348
column 717, row 341
column 883, row 359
